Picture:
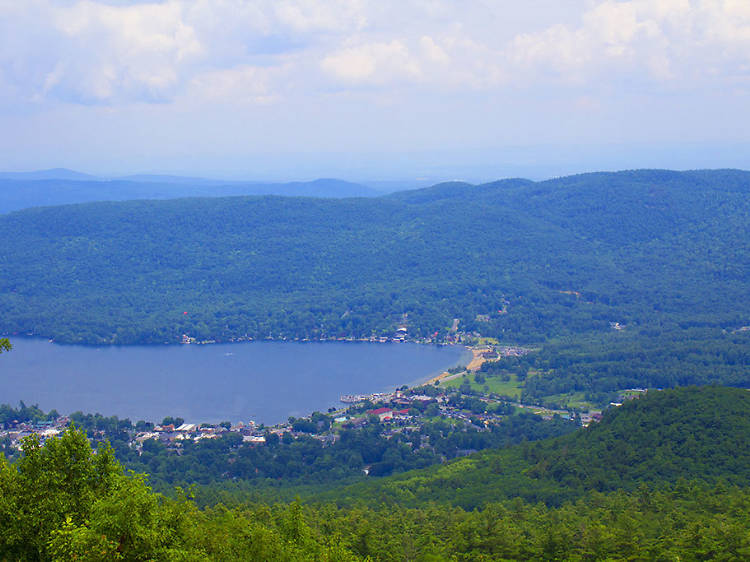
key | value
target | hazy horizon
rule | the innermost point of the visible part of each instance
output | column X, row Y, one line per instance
column 467, row 173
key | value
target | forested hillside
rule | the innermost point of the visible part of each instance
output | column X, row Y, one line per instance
column 646, row 248
column 685, row 433
column 672, row 466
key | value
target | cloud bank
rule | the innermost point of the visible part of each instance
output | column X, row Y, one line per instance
column 113, row 52
column 326, row 57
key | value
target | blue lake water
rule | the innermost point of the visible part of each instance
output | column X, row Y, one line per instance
column 262, row 381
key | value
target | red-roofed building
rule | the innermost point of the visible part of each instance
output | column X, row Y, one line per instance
column 379, row 411
column 388, row 413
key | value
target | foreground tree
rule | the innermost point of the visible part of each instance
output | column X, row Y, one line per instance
column 62, row 501
column 50, row 487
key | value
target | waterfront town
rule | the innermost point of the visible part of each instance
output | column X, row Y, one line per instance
column 448, row 396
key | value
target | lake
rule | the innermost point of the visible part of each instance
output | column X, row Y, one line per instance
column 262, row 381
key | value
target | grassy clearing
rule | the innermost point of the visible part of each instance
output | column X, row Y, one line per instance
column 492, row 384
column 488, row 341
column 573, row 400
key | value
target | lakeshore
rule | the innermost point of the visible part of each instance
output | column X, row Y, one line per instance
column 405, row 411
column 479, row 355
column 261, row 381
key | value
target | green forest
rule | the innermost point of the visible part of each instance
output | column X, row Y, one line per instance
column 654, row 251
column 664, row 477
column 690, row 432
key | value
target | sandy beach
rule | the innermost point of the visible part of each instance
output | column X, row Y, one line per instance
column 476, row 362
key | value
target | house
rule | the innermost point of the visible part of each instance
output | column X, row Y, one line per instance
column 208, row 436
column 145, row 437
column 382, row 413
column 378, row 411
column 167, row 436
column 385, row 414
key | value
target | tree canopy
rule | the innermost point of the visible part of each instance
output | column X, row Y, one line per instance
column 62, row 501
column 523, row 261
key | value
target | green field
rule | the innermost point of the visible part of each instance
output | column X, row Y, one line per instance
column 492, row 384
column 571, row 400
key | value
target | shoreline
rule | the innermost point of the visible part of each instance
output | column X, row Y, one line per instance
column 432, row 378
column 476, row 362
column 229, row 342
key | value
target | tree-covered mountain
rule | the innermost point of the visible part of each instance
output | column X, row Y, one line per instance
column 648, row 249
column 689, row 433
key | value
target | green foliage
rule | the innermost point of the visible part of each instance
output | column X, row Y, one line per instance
column 306, row 461
column 698, row 433
column 49, row 483
column 601, row 365
column 23, row 413
column 62, row 502
column 648, row 249
column 169, row 420
column 687, row 522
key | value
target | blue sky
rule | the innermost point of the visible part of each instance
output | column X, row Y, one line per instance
column 294, row 89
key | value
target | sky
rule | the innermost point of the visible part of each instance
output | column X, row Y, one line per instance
column 374, row 90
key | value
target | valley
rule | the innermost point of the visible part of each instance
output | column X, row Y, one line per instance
column 605, row 375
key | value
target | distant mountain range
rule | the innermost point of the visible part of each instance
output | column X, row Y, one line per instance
column 59, row 186
column 51, row 174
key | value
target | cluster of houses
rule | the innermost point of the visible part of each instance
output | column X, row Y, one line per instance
column 17, row 431
column 170, row 434
column 167, row 434
column 494, row 352
column 400, row 335
column 395, row 397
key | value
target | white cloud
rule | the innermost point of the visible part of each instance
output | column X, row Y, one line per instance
column 88, row 51
column 433, row 51
column 243, row 84
column 660, row 39
column 97, row 53
column 372, row 62
column 314, row 15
